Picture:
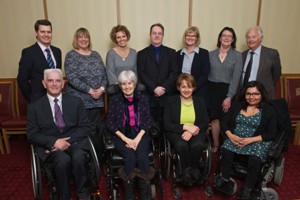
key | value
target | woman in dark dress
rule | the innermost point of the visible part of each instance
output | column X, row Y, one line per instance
column 250, row 127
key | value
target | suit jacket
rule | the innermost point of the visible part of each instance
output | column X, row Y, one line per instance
column 43, row 132
column 163, row 73
column 269, row 69
column 31, row 71
column 200, row 70
column 172, row 114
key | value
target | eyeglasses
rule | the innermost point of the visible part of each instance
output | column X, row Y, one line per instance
column 226, row 36
column 191, row 36
column 157, row 33
column 256, row 94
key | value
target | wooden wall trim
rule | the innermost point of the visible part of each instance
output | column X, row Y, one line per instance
column 45, row 9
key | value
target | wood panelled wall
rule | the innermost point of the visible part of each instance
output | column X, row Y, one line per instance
column 279, row 20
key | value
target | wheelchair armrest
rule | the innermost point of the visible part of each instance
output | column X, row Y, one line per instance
column 277, row 146
column 108, row 140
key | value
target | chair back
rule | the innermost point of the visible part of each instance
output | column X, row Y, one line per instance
column 7, row 98
column 292, row 92
column 21, row 103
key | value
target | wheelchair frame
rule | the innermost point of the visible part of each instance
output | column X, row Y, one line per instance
column 39, row 169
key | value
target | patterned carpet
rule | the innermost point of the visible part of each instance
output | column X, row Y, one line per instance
column 15, row 178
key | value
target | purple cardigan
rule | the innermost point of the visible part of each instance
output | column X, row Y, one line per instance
column 115, row 117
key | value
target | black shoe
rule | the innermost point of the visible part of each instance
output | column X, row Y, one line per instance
column 187, row 177
column 225, row 186
column 196, row 175
column 244, row 193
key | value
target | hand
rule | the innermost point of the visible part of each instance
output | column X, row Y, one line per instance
column 186, row 136
column 159, row 91
column 130, row 144
column 62, row 144
column 226, row 104
column 194, row 130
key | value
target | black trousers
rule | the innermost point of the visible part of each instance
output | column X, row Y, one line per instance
column 189, row 151
column 71, row 162
column 253, row 168
column 134, row 158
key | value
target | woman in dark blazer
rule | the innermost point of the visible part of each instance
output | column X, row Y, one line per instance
column 250, row 126
column 185, row 122
column 195, row 61
column 129, row 120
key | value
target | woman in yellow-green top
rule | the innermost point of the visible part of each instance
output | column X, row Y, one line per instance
column 185, row 123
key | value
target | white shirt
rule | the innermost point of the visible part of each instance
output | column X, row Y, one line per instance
column 45, row 53
column 51, row 101
column 255, row 63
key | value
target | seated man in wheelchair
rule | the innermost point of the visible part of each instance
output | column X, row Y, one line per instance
column 129, row 120
column 58, row 126
column 185, row 123
column 250, row 127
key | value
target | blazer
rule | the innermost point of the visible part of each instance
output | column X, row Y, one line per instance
column 200, row 70
column 43, row 132
column 268, row 123
column 172, row 114
column 269, row 69
column 31, row 71
column 116, row 113
column 163, row 73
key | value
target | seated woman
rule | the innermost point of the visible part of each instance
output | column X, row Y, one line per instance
column 185, row 122
column 250, row 126
column 129, row 120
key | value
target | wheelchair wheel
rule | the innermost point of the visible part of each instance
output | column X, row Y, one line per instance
column 36, row 175
column 164, row 158
column 279, row 170
column 94, row 158
column 268, row 194
column 207, row 160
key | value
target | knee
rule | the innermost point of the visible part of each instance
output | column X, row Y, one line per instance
column 62, row 161
column 254, row 161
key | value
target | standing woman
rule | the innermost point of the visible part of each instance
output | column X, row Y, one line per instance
column 121, row 57
column 194, row 60
column 225, row 72
column 86, row 74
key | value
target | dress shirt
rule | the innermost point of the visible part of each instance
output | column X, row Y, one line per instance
column 45, row 52
column 255, row 63
column 51, row 101
column 188, row 59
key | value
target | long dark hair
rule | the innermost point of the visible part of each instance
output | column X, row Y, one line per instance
column 260, row 87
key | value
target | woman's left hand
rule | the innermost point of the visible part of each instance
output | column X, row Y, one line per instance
column 226, row 104
column 244, row 142
column 186, row 136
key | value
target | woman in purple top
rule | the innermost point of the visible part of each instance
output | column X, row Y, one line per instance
column 129, row 120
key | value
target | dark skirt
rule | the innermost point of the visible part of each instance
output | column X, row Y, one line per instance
column 217, row 94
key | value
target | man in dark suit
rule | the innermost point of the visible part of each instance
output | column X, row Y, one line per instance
column 157, row 70
column 33, row 62
column 266, row 66
column 64, row 145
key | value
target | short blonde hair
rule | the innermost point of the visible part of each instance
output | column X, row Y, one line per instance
column 78, row 33
column 192, row 29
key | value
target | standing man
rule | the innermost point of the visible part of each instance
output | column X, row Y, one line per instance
column 157, row 70
column 35, row 59
column 264, row 66
column 58, row 126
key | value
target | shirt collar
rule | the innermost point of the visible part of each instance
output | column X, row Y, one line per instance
column 184, row 51
column 43, row 47
column 51, row 98
column 256, row 51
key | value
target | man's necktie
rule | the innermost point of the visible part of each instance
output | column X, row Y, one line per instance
column 59, row 120
column 49, row 58
column 248, row 69
column 156, row 51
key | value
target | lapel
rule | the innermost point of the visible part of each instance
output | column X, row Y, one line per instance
column 45, row 106
column 40, row 54
column 261, row 62
column 150, row 52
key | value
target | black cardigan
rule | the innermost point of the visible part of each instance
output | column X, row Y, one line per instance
column 267, row 127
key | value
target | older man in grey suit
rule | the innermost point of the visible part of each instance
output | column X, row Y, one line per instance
column 264, row 66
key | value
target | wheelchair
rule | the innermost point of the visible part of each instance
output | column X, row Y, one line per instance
column 170, row 163
column 41, row 169
column 113, row 160
column 273, row 167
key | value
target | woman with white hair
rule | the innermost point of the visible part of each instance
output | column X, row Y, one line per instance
column 129, row 120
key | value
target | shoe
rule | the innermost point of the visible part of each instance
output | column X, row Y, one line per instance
column 195, row 173
column 223, row 185
column 187, row 177
column 244, row 193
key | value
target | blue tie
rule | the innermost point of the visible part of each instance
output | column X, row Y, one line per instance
column 49, row 59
